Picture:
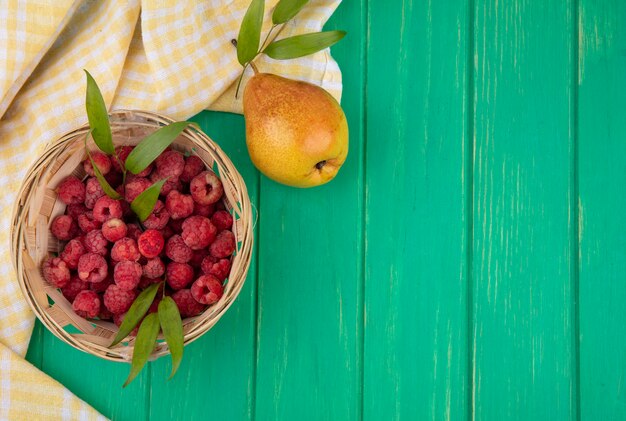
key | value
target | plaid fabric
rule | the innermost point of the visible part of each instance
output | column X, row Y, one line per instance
column 166, row 56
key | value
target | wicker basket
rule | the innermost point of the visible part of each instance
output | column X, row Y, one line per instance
column 37, row 205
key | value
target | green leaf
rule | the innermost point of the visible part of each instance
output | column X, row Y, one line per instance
column 152, row 146
column 144, row 203
column 98, row 117
column 302, row 45
column 136, row 311
column 287, row 9
column 144, row 344
column 250, row 32
column 172, row 326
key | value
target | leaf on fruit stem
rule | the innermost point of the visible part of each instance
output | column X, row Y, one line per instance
column 136, row 311
column 98, row 117
column 106, row 187
column 152, row 145
column 144, row 203
column 287, row 9
column 302, row 45
column 250, row 32
column 172, row 326
column 144, row 344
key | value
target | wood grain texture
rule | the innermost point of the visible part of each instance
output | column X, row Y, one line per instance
column 415, row 357
column 602, row 177
column 523, row 319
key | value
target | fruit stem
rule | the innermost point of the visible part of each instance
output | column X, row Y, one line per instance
column 256, row 70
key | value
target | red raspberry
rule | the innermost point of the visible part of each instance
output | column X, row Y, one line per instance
column 63, row 227
column 56, row 271
column 122, row 153
column 206, row 188
column 179, row 275
column 177, row 250
column 146, row 282
column 118, row 300
column 75, row 210
column 134, row 187
column 158, row 218
column 133, row 232
column 198, row 232
column 170, row 183
column 73, row 287
column 127, row 274
column 104, row 314
column 87, row 304
column 193, row 167
column 150, row 243
column 154, row 268
column 198, row 257
column 114, row 229
column 106, row 208
column 224, row 245
column 203, row 210
column 102, row 161
column 186, row 304
column 71, row 190
column 176, row 225
column 125, row 249
column 72, row 252
column 170, row 164
column 222, row 220
column 96, row 243
column 114, row 178
column 207, row 289
column 154, row 307
column 178, row 205
column 100, row 287
column 218, row 268
column 167, row 232
column 93, row 192
column 92, row 267
column 87, row 223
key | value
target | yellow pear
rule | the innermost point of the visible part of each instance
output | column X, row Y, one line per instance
column 296, row 132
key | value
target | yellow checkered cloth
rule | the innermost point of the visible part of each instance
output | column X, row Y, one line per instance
column 173, row 57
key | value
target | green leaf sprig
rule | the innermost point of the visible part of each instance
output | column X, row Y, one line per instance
column 248, row 41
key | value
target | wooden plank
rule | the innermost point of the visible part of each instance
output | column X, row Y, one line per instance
column 602, row 177
column 415, row 357
column 523, row 317
column 310, row 268
column 220, row 363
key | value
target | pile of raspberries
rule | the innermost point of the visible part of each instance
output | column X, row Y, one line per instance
column 108, row 257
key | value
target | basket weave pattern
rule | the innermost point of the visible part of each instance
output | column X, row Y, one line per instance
column 38, row 205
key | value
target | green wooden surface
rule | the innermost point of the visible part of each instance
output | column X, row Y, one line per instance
column 468, row 262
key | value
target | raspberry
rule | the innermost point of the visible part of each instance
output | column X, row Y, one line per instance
column 125, row 249
column 203, row 210
column 178, row 205
column 92, row 267
column 150, row 243
column 207, row 289
column 222, row 220
column 93, row 192
column 218, row 268
column 63, row 227
column 134, row 187
column 186, row 304
column 176, row 225
column 198, row 232
column 133, row 232
column 118, row 300
column 114, row 178
column 87, row 223
column 167, row 232
column 206, row 188
column 73, row 287
column 87, row 304
column 114, row 229
column 170, row 164
column 154, row 307
column 193, row 167
column 72, row 252
column 75, row 210
column 102, row 286
column 127, row 274
column 56, row 271
column 104, row 314
column 122, row 153
column 71, row 190
column 224, row 245
column 96, row 243
column 106, row 208
column 102, row 162
column 146, row 282
column 198, row 256
column 177, row 250
column 158, row 218
column 170, row 183
column 179, row 275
